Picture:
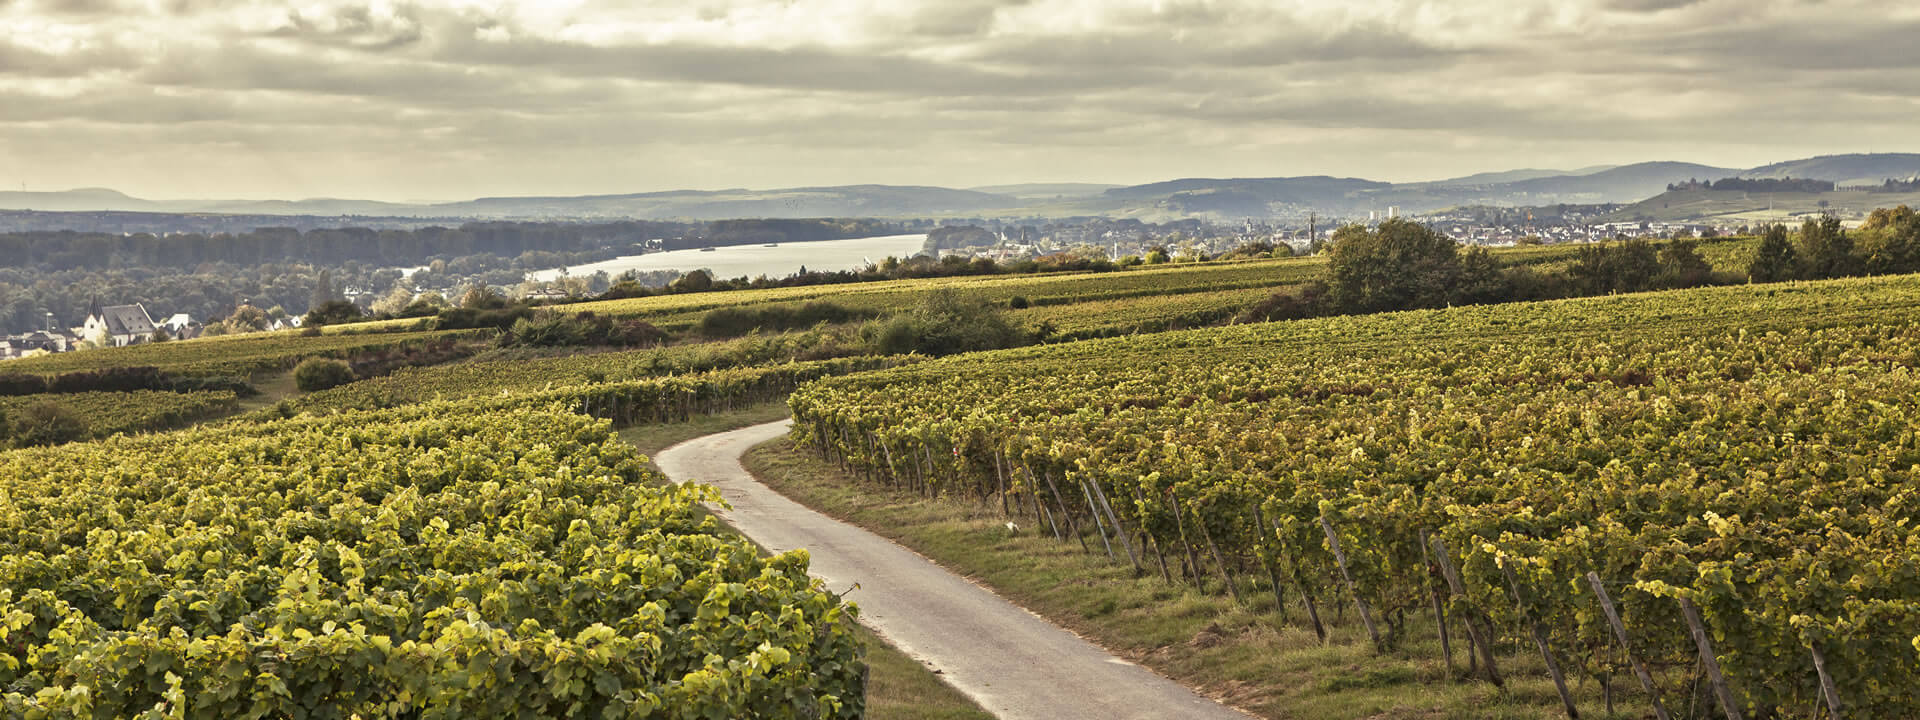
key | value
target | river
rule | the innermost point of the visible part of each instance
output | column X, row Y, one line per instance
column 756, row 260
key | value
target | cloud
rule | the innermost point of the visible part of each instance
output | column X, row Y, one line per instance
column 378, row 97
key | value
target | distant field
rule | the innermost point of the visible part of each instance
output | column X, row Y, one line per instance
column 235, row 355
column 1076, row 304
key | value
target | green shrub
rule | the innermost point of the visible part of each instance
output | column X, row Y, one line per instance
column 737, row 321
column 943, row 324
column 315, row 374
column 46, row 423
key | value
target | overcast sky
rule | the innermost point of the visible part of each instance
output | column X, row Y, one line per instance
column 439, row 100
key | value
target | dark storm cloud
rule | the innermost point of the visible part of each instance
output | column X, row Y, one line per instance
column 955, row 92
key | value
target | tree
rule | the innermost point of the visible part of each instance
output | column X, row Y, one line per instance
column 248, row 318
column 481, row 297
column 1480, row 280
column 333, row 312
column 1826, row 251
column 696, row 281
column 322, row 290
column 1157, row 255
column 1774, row 260
column 1632, row 265
column 394, row 302
column 160, row 335
column 1890, row 241
column 943, row 324
column 317, row 373
column 1681, row 266
column 1399, row 265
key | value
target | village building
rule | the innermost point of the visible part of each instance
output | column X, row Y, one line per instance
column 118, row 325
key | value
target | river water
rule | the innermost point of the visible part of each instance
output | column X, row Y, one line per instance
column 755, row 260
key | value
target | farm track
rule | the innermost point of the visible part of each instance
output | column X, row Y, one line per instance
column 1010, row 661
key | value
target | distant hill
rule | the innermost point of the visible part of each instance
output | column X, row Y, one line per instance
column 845, row 201
column 1222, row 199
column 1235, row 197
column 1511, row 176
column 1622, row 184
column 1695, row 204
column 1046, row 191
column 1855, row 169
column 80, row 200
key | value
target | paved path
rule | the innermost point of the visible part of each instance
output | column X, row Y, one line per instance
column 1010, row 661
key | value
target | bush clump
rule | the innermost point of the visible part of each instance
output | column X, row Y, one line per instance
column 943, row 324
column 737, row 321
column 315, row 374
column 555, row 329
column 46, row 423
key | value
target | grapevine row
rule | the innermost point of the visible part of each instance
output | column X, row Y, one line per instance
column 1732, row 469
column 432, row 561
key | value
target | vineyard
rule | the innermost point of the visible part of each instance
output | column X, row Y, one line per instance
column 228, row 355
column 106, row 413
column 1707, row 491
column 430, row 562
column 666, row 398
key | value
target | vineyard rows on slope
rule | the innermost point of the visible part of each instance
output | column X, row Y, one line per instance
column 1740, row 460
column 431, row 562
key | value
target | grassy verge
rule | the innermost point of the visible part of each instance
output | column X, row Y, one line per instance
column 898, row 687
column 1245, row 655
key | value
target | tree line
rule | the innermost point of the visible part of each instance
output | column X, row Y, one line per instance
column 1402, row 265
column 1766, row 185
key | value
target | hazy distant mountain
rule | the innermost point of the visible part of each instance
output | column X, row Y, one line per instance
column 1855, row 169
column 1234, row 197
column 844, row 201
column 847, row 201
column 310, row 206
column 1046, row 191
column 1217, row 198
column 1510, row 176
column 1626, row 183
column 79, row 200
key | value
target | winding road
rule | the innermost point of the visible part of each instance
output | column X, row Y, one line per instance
column 1008, row 660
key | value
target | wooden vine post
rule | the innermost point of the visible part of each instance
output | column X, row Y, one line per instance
column 1340, row 556
column 1001, row 477
column 1306, row 599
column 1620, row 634
column 1099, row 525
column 1065, row 513
column 1707, row 658
column 1539, row 633
column 1114, row 520
column 1826, row 681
column 1193, row 560
column 1481, row 636
column 1273, row 573
column 1227, row 574
column 1439, row 609
column 1153, row 542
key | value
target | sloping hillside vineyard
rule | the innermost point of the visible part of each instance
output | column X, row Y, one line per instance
column 427, row 562
column 1734, row 468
